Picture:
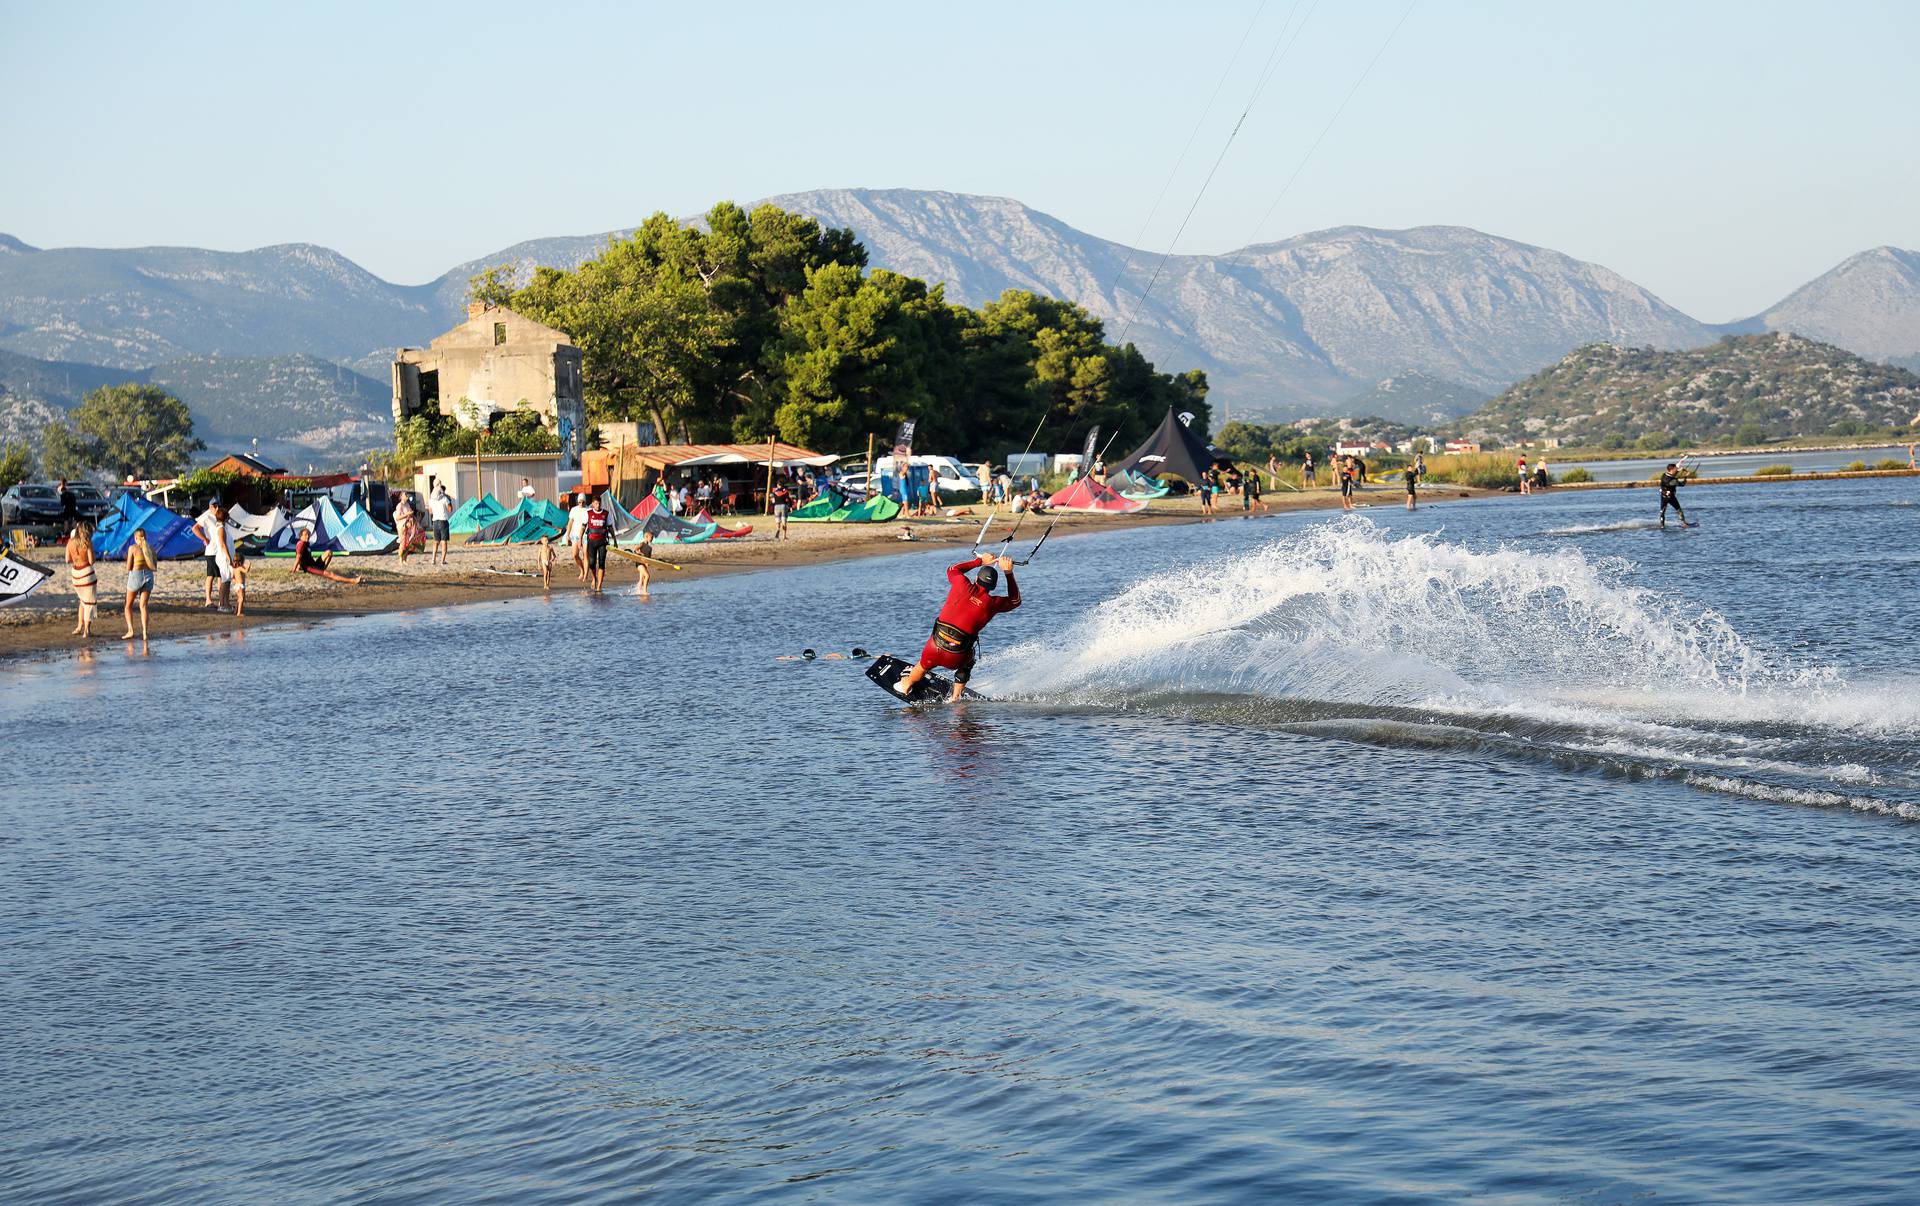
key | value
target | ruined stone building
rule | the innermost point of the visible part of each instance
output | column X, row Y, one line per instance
column 496, row 361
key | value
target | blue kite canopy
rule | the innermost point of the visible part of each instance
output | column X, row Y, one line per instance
column 353, row 532
column 169, row 534
column 362, row 535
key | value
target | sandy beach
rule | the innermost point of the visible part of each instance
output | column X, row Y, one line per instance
column 478, row 574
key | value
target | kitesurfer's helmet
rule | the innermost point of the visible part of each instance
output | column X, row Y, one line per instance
column 987, row 578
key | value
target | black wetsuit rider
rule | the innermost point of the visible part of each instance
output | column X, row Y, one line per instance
column 1670, row 494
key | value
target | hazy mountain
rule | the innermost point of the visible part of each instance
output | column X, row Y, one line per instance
column 302, row 409
column 1869, row 304
column 1282, row 329
column 1310, row 325
column 34, row 392
column 141, row 306
column 1415, row 398
column 1777, row 384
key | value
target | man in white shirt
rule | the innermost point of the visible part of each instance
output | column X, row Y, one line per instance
column 439, row 511
column 526, row 488
column 211, row 528
column 576, row 526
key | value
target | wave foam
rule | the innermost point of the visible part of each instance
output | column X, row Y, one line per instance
column 1343, row 613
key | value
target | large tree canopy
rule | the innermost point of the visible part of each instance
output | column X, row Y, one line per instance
column 134, row 430
column 765, row 323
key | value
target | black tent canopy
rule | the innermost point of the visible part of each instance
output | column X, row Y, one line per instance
column 1171, row 449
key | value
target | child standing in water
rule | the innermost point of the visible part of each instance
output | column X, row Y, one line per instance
column 240, row 572
column 644, row 577
column 546, row 563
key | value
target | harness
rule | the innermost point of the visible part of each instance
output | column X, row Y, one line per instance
column 949, row 639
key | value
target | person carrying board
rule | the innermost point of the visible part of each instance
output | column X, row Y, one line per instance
column 969, row 606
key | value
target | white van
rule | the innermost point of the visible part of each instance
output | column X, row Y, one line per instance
column 954, row 479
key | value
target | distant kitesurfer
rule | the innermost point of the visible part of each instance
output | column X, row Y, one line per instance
column 1670, row 493
column 968, row 607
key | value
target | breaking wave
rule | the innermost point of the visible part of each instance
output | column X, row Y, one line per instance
column 1342, row 631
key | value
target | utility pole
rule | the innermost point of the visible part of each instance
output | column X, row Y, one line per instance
column 766, row 500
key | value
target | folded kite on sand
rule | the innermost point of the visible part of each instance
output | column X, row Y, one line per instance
column 18, row 578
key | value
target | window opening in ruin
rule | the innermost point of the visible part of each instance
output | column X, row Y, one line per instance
column 499, row 333
column 430, row 391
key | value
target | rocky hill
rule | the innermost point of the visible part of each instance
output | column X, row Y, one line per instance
column 1745, row 386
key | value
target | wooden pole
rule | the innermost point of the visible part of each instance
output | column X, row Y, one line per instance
column 870, row 462
column 766, row 501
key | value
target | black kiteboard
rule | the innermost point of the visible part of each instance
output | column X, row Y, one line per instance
column 887, row 670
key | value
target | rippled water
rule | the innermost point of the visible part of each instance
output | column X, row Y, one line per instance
column 1496, row 851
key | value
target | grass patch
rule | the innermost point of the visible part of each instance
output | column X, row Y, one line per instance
column 1576, row 475
column 1891, row 463
column 1773, row 471
column 1857, row 467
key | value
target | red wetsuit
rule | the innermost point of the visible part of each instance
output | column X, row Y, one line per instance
column 965, row 613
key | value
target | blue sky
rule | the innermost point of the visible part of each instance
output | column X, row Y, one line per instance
column 1720, row 154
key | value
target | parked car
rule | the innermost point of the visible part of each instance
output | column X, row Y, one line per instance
column 30, row 503
column 89, row 499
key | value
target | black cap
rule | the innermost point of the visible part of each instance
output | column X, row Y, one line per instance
column 988, row 577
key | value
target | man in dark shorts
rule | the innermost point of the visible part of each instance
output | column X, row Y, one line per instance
column 956, row 631
column 1413, row 486
column 598, row 532
column 1670, row 494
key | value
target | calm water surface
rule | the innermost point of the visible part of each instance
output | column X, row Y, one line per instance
column 1504, row 851
column 1740, row 464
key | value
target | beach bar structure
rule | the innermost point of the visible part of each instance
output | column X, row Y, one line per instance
column 744, row 466
column 496, row 474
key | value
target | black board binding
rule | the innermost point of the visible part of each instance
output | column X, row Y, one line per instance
column 887, row 671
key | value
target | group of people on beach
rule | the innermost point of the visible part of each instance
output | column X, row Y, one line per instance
column 224, row 558
column 1214, row 483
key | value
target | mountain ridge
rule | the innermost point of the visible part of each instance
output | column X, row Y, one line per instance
column 1303, row 325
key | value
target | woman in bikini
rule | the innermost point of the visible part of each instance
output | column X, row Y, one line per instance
column 140, row 567
column 85, row 582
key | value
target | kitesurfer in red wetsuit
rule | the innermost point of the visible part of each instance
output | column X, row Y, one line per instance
column 968, row 607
